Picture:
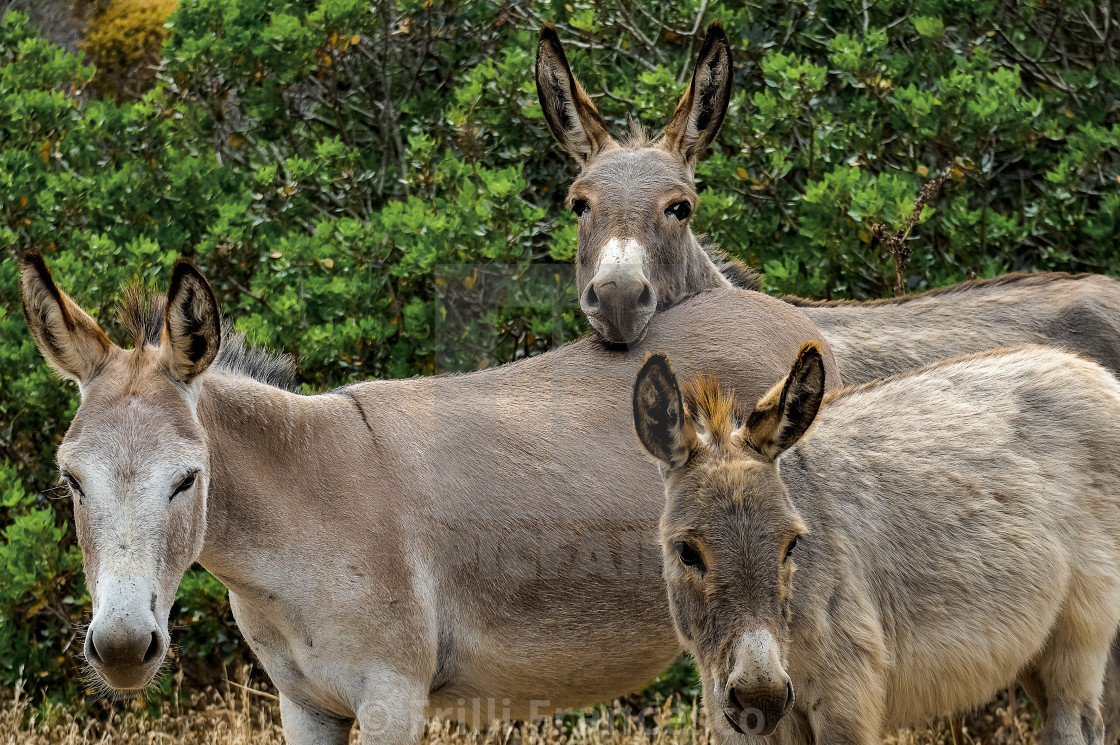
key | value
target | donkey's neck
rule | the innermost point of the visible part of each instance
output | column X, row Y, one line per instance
column 700, row 273
column 274, row 459
column 706, row 274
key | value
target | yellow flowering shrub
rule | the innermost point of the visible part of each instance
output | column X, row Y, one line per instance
column 123, row 42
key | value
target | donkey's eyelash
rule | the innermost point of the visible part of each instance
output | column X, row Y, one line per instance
column 185, row 485
column 73, row 483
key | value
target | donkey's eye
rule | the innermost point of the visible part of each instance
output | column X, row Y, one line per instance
column 680, row 210
column 688, row 555
column 789, row 551
column 184, row 485
column 75, row 487
column 580, row 207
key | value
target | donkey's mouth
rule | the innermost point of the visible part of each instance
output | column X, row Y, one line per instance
column 613, row 339
column 123, row 685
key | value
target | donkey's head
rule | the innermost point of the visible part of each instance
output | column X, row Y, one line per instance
column 636, row 250
column 729, row 529
column 135, row 457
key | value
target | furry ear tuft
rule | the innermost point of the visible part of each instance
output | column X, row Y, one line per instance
column 571, row 115
column 788, row 410
column 701, row 110
column 192, row 327
column 69, row 339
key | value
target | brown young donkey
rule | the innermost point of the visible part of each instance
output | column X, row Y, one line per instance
column 466, row 546
column 637, row 253
column 899, row 552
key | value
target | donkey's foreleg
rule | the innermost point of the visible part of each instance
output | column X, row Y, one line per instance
column 1032, row 685
column 305, row 727
column 849, row 711
column 1071, row 672
column 394, row 711
column 1110, row 697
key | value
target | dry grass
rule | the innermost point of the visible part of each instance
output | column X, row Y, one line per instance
column 240, row 716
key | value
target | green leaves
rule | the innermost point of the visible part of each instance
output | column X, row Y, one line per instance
column 39, row 569
column 931, row 27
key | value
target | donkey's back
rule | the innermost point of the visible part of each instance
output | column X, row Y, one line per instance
column 1077, row 312
column 971, row 510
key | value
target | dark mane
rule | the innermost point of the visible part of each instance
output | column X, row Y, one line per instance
column 141, row 313
column 737, row 272
column 263, row 365
column 1017, row 278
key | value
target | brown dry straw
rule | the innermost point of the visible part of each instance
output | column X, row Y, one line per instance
column 239, row 716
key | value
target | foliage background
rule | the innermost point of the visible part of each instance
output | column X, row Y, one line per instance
column 324, row 161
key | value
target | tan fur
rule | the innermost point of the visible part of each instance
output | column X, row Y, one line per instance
column 1080, row 313
column 394, row 547
column 711, row 411
column 922, row 502
column 1076, row 312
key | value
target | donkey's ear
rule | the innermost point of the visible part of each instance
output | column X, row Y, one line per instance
column 71, row 341
column 569, row 111
column 192, row 329
column 784, row 414
column 659, row 415
column 700, row 113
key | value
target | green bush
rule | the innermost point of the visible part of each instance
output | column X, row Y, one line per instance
column 41, row 567
column 372, row 188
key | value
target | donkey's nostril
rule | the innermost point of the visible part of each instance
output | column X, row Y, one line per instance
column 735, row 702
column 789, row 698
column 646, row 297
column 91, row 651
column 590, row 299
column 153, row 648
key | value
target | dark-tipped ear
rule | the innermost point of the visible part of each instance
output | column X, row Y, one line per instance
column 659, row 415
column 68, row 338
column 700, row 113
column 192, row 329
column 569, row 111
column 784, row 414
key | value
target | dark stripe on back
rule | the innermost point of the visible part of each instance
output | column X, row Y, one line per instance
column 357, row 404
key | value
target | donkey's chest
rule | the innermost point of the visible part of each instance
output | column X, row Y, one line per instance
column 304, row 660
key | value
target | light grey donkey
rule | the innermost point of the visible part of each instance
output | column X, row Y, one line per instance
column 845, row 564
column 461, row 546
